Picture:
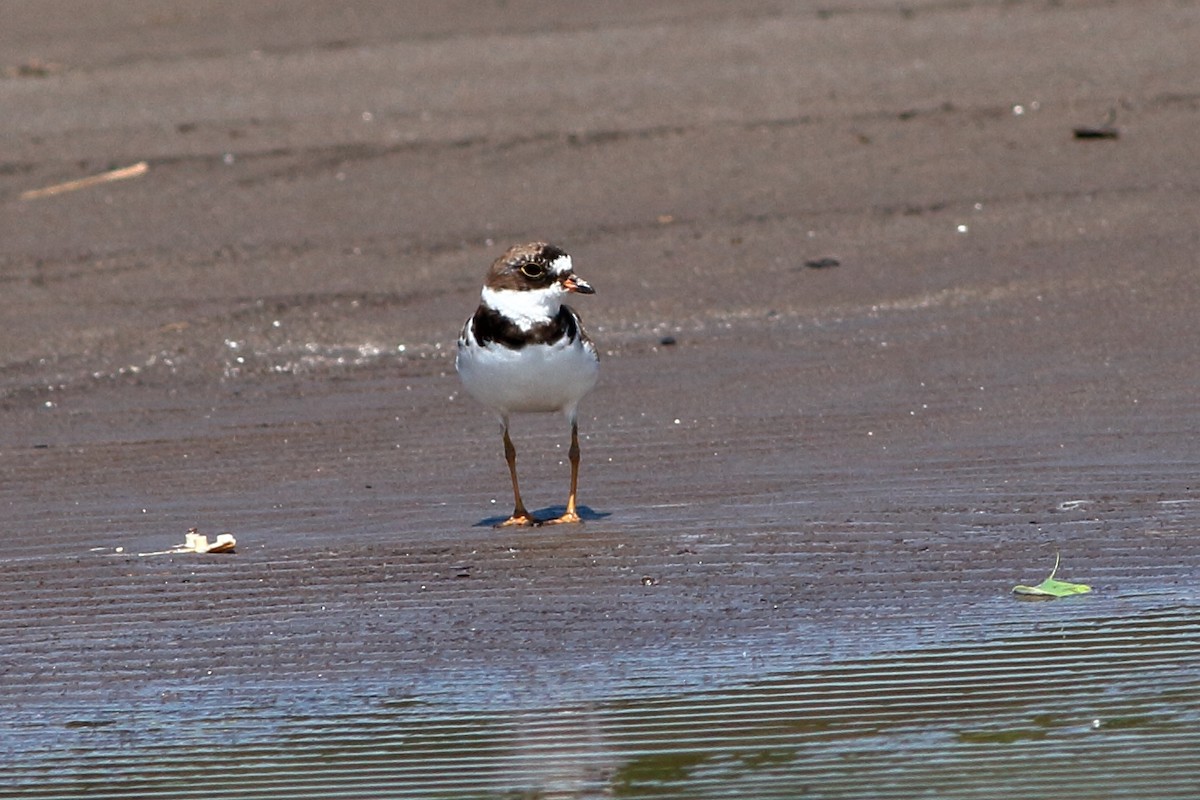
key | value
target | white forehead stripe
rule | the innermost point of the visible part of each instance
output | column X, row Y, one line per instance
column 561, row 265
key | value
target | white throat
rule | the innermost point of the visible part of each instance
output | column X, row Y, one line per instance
column 526, row 308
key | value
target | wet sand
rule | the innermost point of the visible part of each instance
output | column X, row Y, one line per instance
column 808, row 489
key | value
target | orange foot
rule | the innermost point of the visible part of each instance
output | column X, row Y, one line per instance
column 570, row 516
column 521, row 519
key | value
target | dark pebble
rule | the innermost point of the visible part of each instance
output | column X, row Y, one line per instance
column 822, row 263
column 1097, row 133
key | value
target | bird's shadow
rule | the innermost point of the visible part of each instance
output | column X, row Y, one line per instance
column 586, row 513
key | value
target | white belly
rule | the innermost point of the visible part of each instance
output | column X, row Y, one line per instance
column 533, row 378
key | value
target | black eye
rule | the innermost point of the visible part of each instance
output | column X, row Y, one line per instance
column 532, row 271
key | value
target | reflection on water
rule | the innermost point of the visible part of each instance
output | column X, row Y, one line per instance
column 1107, row 707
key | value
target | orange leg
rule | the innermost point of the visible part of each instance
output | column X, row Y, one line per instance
column 571, row 515
column 519, row 516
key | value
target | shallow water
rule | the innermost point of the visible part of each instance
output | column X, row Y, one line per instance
column 1107, row 706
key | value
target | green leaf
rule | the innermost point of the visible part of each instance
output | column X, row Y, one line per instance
column 1051, row 588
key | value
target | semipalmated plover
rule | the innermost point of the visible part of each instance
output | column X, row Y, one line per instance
column 523, row 350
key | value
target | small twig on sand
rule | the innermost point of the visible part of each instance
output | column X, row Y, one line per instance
column 137, row 169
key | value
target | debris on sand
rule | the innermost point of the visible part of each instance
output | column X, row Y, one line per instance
column 1051, row 588
column 1105, row 130
column 1097, row 132
column 124, row 173
column 822, row 263
column 196, row 542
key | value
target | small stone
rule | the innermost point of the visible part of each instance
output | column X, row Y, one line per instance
column 822, row 263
